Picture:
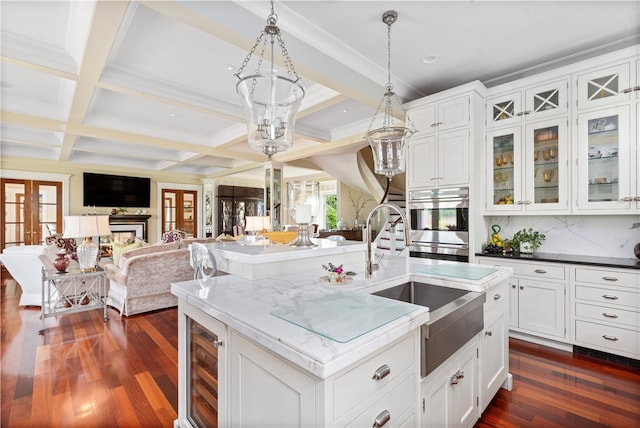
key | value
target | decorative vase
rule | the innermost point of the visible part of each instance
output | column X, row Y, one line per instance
column 526, row 248
column 61, row 262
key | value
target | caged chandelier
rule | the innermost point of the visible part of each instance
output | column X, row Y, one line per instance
column 387, row 140
column 271, row 98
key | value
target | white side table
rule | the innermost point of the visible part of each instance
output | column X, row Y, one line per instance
column 72, row 291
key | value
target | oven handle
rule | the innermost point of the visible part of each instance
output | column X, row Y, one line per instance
column 417, row 246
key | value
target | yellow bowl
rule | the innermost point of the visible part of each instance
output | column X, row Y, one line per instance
column 280, row 237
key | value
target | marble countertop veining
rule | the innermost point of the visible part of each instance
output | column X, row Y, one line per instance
column 246, row 306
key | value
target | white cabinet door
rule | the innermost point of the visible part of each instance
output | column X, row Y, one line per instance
column 495, row 355
column 546, row 100
column 454, row 113
column 465, row 392
column 453, row 158
column 605, row 161
column 604, row 86
column 504, row 110
column 546, row 166
column 450, row 393
column 439, row 160
column 267, row 391
column 513, row 302
column 504, row 169
column 541, row 307
column 424, row 119
column 421, row 160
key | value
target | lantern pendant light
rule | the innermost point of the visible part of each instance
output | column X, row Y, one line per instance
column 271, row 98
column 388, row 140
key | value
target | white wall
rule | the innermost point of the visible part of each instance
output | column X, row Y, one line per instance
column 600, row 236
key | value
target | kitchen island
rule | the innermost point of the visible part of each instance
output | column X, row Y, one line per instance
column 279, row 362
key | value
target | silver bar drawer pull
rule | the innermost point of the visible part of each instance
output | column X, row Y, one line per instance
column 382, row 419
column 609, row 315
column 609, row 278
column 540, row 271
column 612, row 338
column 610, row 297
column 382, row 372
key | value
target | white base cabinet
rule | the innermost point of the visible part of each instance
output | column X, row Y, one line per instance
column 494, row 344
column 607, row 310
column 537, row 298
column 450, row 392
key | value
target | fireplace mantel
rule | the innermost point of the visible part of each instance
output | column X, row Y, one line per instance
column 138, row 223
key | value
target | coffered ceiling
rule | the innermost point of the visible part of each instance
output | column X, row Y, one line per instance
column 150, row 85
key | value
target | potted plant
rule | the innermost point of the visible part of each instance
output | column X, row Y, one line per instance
column 527, row 240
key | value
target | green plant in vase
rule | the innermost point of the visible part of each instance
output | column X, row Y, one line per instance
column 527, row 241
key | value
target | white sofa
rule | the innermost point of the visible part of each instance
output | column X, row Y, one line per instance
column 24, row 265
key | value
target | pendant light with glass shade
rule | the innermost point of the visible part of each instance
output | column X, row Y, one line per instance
column 271, row 97
column 387, row 139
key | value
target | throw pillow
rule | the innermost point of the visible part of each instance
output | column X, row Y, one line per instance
column 173, row 236
column 119, row 248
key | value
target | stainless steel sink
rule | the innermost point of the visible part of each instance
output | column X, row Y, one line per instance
column 455, row 316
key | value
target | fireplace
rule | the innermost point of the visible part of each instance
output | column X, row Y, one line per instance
column 124, row 228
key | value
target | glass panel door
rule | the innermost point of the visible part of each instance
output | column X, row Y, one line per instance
column 505, row 166
column 545, row 156
column 169, row 214
column 31, row 211
column 189, row 214
column 180, row 211
column 604, row 159
column 203, row 376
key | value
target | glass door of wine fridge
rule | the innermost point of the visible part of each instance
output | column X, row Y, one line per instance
column 202, row 370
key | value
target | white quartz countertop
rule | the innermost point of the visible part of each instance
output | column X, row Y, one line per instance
column 247, row 305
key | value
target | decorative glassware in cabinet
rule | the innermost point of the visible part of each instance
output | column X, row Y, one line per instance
column 545, row 158
column 503, row 184
column 504, row 110
column 603, row 162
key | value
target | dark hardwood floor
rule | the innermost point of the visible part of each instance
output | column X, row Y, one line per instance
column 123, row 373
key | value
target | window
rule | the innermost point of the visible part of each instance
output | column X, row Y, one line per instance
column 328, row 212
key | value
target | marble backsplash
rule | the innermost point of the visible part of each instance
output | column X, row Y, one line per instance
column 600, row 236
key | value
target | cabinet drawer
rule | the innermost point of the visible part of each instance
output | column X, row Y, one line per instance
column 608, row 277
column 359, row 383
column 496, row 296
column 398, row 402
column 612, row 315
column 530, row 269
column 614, row 339
column 612, row 297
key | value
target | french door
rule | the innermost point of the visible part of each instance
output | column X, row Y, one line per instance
column 180, row 211
column 31, row 211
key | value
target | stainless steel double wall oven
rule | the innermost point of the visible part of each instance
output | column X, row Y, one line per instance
column 440, row 224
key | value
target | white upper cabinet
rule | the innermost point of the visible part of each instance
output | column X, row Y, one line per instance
column 607, row 179
column 605, row 86
column 538, row 102
column 528, row 168
column 443, row 116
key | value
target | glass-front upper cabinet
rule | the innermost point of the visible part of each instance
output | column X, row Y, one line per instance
column 604, row 86
column 604, row 160
column 533, row 103
column 530, row 172
column 546, row 166
column 505, row 166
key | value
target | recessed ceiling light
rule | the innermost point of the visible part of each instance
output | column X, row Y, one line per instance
column 429, row 59
column 173, row 115
column 345, row 110
column 230, row 68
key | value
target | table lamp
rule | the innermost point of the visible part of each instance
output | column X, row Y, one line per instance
column 256, row 224
column 86, row 227
column 303, row 201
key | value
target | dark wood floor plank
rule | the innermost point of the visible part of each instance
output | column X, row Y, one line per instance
column 85, row 372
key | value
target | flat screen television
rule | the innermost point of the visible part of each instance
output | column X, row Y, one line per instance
column 103, row 190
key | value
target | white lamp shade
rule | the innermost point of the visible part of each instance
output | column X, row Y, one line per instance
column 257, row 223
column 76, row 226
